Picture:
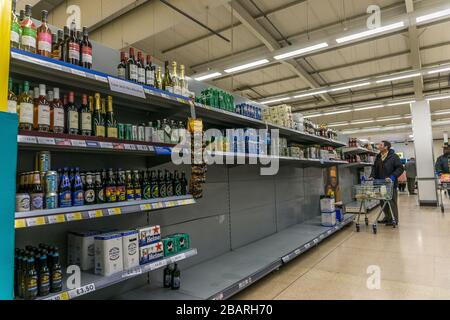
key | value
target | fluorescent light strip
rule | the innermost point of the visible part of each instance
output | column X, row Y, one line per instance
column 370, row 108
column 434, row 15
column 313, row 115
column 439, row 70
column 276, row 100
column 336, row 112
column 351, row 86
column 394, row 104
column 208, row 76
column 338, row 125
column 368, row 33
column 301, row 51
column 438, row 98
column 361, row 122
column 400, row 78
column 311, row 94
column 247, row 66
column 390, row 119
column 440, row 113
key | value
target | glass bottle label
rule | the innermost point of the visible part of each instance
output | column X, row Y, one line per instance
column 89, row 196
column 137, row 194
column 74, row 51
column 147, row 194
column 37, row 201
column 150, row 76
column 86, row 121
column 111, row 195
column 58, row 120
column 121, row 194
column 100, row 131
column 73, row 120
column 44, row 115
column 130, row 194
column 169, row 89
column 12, row 106
column 101, row 195
column 78, row 198
column 121, row 73
column 15, row 32
column 29, row 37
column 133, row 72
column 44, row 41
column 154, row 191
column 141, row 75
column 86, row 55
column 65, row 199
column 26, row 113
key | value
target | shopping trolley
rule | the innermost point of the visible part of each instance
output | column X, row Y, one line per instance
column 381, row 190
column 443, row 184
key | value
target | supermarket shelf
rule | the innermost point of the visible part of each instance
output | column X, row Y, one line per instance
column 92, row 282
column 358, row 165
column 359, row 150
column 353, row 207
column 61, row 215
column 56, row 72
column 230, row 273
column 62, row 142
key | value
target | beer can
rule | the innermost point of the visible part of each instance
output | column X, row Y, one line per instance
column 51, row 200
column 134, row 133
column 141, row 133
column 37, row 201
column 121, row 131
column 43, row 161
column 51, row 181
column 128, row 132
column 22, row 202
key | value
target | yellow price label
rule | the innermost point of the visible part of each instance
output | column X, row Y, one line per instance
column 20, row 223
column 39, row 221
column 114, row 211
column 170, row 204
column 146, row 207
column 60, row 218
column 64, row 296
column 158, row 205
column 95, row 214
column 76, row 216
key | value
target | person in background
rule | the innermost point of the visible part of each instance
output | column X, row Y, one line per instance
column 411, row 174
column 442, row 164
column 402, row 182
column 389, row 167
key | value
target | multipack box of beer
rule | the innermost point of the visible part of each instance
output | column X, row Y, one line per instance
column 81, row 249
column 108, row 254
column 130, row 249
column 151, row 253
column 148, row 235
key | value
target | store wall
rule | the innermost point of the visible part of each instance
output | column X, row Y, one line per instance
column 408, row 149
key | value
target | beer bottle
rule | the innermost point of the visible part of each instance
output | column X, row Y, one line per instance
column 83, row 178
column 169, row 184
column 129, row 186
column 85, row 117
column 44, row 275
column 89, row 190
column 31, row 280
column 111, row 194
column 72, row 176
column 37, row 192
column 168, row 276
column 99, row 188
column 177, row 185
column 176, row 278
column 77, row 190
column 154, row 185
column 16, row 270
column 99, row 125
column 184, row 184
column 137, row 185
column 65, row 195
column 162, row 185
column 55, row 272
column 146, row 187
column 111, row 123
column 121, row 188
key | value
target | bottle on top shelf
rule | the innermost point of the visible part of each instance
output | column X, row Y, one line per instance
column 73, row 47
column 44, row 36
column 64, row 44
column 149, row 72
column 183, row 83
column 29, row 31
column 15, row 27
column 167, row 81
column 79, row 37
column 132, row 68
column 56, row 50
column 12, row 98
column 26, row 108
column 176, row 88
column 158, row 79
column 86, row 50
column 122, row 67
column 141, row 68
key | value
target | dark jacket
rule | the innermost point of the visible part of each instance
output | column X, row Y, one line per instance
column 442, row 164
column 391, row 166
column 411, row 169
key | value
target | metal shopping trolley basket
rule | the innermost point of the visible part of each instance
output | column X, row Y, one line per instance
column 443, row 184
column 374, row 190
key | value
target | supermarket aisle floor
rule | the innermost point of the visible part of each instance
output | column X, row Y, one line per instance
column 414, row 262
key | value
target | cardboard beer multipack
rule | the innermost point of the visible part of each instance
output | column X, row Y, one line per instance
column 148, row 235
column 170, row 247
column 81, row 249
column 176, row 243
column 108, row 254
column 151, row 253
column 130, row 249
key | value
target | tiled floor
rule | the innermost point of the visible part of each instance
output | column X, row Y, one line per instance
column 414, row 262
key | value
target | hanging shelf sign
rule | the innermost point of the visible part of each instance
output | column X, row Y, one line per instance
column 126, row 87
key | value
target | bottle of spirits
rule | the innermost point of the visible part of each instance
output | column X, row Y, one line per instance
column 31, row 279
column 29, row 32
column 43, row 275
column 176, row 278
column 72, row 115
column 89, row 190
column 167, row 82
column 111, row 123
column 58, row 40
column 99, row 188
column 183, row 83
column 65, row 192
column 175, row 80
column 111, row 193
column 132, row 68
column 167, row 131
column 77, row 190
column 64, row 45
column 57, row 115
column 15, row 27
column 154, row 185
column 137, row 186
column 121, row 187
column 85, row 117
column 129, row 186
column 169, row 184
column 162, row 185
column 149, row 72
column 42, row 111
column 99, row 126
column 12, row 98
column 141, row 68
column 73, row 48
column 55, row 272
column 122, row 67
column 44, row 36
column 86, row 50
column 182, row 132
column 158, row 79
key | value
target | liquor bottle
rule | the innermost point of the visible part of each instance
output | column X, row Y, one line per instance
column 146, row 187
column 72, row 115
column 111, row 123
column 177, row 189
column 43, row 276
column 15, row 27
column 73, row 48
column 56, row 47
column 85, row 117
column 176, row 278
column 111, row 194
column 167, row 131
column 121, row 187
column 184, row 184
column 149, row 72
column 122, row 67
column 86, row 50
column 167, row 81
column 175, row 80
column 183, row 83
column 42, row 111
column 26, row 109
column 37, row 192
column 160, row 131
column 31, row 280
column 168, row 276
column 154, row 185
column 64, row 44
column 77, row 190
column 158, row 79
column 12, row 98
column 55, row 272
column 29, row 32
column 182, row 133
column 169, row 184
column 21, row 16
column 89, row 190
column 44, row 37
column 35, row 97
column 99, row 188
column 129, row 186
column 141, row 68
column 137, row 186
column 99, row 125
column 103, row 113
column 132, row 68
column 162, row 185
column 57, row 114
column 174, row 136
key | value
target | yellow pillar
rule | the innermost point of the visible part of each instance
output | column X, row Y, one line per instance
column 5, row 31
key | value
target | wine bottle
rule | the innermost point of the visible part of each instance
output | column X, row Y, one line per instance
column 132, row 68
column 44, row 36
column 122, row 67
column 26, row 109
column 29, row 32
column 12, row 98
column 72, row 115
column 86, row 50
column 149, row 72
column 42, row 111
column 167, row 81
column 15, row 27
column 85, row 117
column 73, row 48
column 99, row 125
column 141, row 68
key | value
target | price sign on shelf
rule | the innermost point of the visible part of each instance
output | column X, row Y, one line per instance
column 75, row 216
column 49, row 141
column 141, row 147
column 131, row 147
column 61, row 296
column 89, row 288
column 79, row 73
column 106, row 145
column 62, row 142
column 297, row 252
column 126, row 87
column 100, row 78
column 178, row 257
column 145, row 207
column 316, row 241
column 95, row 214
column 20, row 223
column 39, row 221
column 26, row 139
column 60, row 218
column 158, row 264
column 119, row 146
column 307, row 246
column 114, row 211
column 78, row 143
column 132, row 272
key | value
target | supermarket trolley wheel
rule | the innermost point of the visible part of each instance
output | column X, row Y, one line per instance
column 358, row 228
column 442, row 209
column 375, row 229
column 367, row 222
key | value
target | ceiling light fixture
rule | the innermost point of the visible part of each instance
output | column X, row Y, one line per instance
column 361, row 122
column 438, row 98
column 389, row 119
column 394, row 104
column 432, row 16
column 208, row 76
column 439, row 70
column 276, row 100
column 351, row 86
column 301, row 51
column 310, row 94
column 336, row 112
column 400, row 77
column 372, row 32
column 440, row 113
column 247, row 66
column 370, row 108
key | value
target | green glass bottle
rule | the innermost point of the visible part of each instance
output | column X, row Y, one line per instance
column 111, row 123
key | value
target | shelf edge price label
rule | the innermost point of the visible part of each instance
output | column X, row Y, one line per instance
column 60, row 218
column 78, row 143
column 245, row 283
column 39, row 221
column 322, row 236
column 95, row 214
column 75, row 216
column 145, row 207
column 126, row 87
column 89, row 288
column 158, row 264
column 49, row 141
column 141, row 147
column 329, row 232
column 297, row 252
column 27, row 139
column 20, row 223
column 307, row 246
column 114, row 211
column 132, row 273
column 178, row 257
column 78, row 73
column 316, row 241
column 106, row 145
column 62, row 296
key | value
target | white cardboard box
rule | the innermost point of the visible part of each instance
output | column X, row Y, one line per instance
column 328, row 219
column 130, row 249
column 327, row 205
column 81, row 249
column 108, row 254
